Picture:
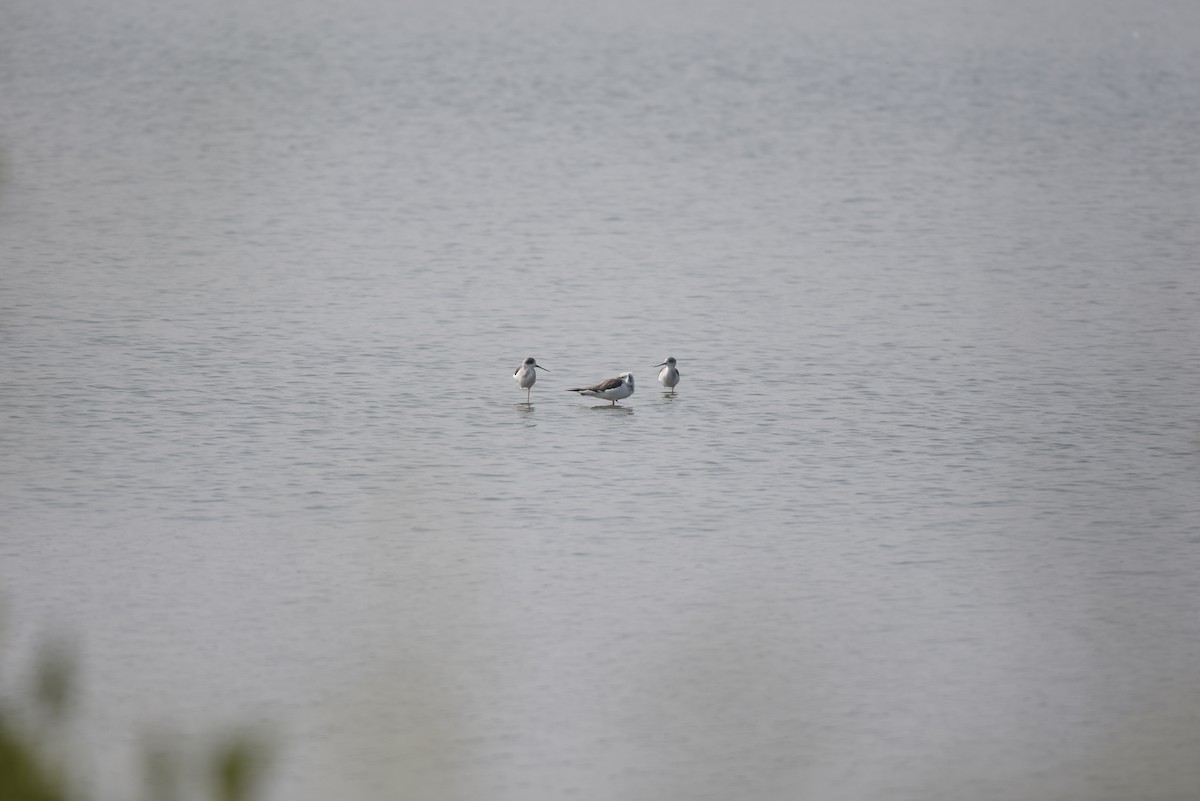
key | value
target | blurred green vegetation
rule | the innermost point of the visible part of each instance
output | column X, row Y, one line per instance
column 29, row 768
column 35, row 716
column 34, row 733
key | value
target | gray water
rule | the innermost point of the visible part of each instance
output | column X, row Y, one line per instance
column 921, row 522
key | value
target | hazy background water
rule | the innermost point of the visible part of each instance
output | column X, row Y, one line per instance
column 921, row 523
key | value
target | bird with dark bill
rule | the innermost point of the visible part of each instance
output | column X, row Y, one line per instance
column 668, row 376
column 525, row 375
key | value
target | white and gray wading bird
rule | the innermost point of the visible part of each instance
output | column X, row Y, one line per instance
column 668, row 376
column 614, row 389
column 525, row 375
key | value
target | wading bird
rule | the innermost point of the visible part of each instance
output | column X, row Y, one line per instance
column 525, row 375
column 614, row 389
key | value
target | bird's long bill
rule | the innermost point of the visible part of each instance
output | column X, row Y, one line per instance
column 538, row 366
column 663, row 364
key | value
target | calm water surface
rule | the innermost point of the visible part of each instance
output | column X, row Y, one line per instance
column 922, row 521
